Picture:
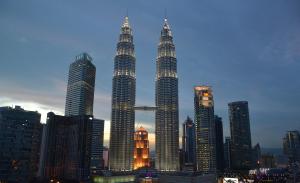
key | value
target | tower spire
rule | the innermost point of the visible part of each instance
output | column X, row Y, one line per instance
column 123, row 102
column 166, row 14
column 126, row 22
column 166, row 100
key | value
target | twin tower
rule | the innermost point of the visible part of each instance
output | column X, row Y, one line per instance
column 123, row 103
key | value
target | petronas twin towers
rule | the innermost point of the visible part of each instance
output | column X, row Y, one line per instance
column 123, row 103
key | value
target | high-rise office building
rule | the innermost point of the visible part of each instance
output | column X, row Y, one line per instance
column 291, row 146
column 189, row 142
column 123, row 102
column 67, row 152
column 219, row 143
column 141, row 149
column 205, row 129
column 256, row 156
column 97, row 163
column 20, row 134
column 105, row 157
column 81, row 86
column 241, row 151
column 166, row 100
column 227, row 153
column 267, row 161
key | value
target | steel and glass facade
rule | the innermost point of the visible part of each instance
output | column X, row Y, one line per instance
column 291, row 146
column 219, row 144
column 205, row 129
column 227, row 153
column 189, row 141
column 97, row 146
column 166, row 100
column 241, row 151
column 123, row 102
column 67, row 152
column 20, row 138
column 81, row 86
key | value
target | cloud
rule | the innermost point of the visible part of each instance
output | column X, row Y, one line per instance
column 31, row 106
column 284, row 49
column 45, row 100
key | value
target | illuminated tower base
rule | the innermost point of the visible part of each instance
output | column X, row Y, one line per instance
column 141, row 149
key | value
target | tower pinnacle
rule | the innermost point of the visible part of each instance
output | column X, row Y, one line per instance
column 166, row 28
column 126, row 22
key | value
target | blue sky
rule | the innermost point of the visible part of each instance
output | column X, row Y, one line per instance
column 245, row 50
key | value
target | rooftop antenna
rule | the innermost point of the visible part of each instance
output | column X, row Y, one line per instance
column 126, row 12
column 166, row 15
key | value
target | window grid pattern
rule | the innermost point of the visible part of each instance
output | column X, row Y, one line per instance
column 81, row 87
column 205, row 130
column 123, row 102
column 166, row 100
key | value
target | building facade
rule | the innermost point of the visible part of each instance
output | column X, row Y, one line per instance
column 141, row 149
column 97, row 162
column 123, row 102
column 291, row 146
column 227, row 153
column 219, row 144
column 166, row 100
column 256, row 156
column 81, row 86
column 189, row 141
column 20, row 134
column 67, row 152
column 241, row 151
column 205, row 129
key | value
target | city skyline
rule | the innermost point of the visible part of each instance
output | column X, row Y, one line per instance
column 43, row 56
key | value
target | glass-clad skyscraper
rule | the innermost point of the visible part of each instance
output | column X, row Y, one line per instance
column 189, row 141
column 166, row 100
column 241, row 151
column 291, row 146
column 20, row 139
column 205, row 130
column 81, row 86
column 123, row 102
column 219, row 143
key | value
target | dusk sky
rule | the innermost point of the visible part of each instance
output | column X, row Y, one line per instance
column 246, row 50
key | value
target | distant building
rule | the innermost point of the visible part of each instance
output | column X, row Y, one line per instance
column 97, row 163
column 67, row 150
column 219, row 144
column 42, row 152
column 123, row 102
column 189, row 142
column 256, row 156
column 81, row 86
column 141, row 149
column 105, row 157
column 20, row 134
column 166, row 100
column 241, row 150
column 205, row 130
column 182, row 177
column 291, row 146
column 80, row 100
column 281, row 161
column 227, row 153
column 267, row 161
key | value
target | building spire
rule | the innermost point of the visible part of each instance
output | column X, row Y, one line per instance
column 166, row 14
column 126, row 22
column 166, row 28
